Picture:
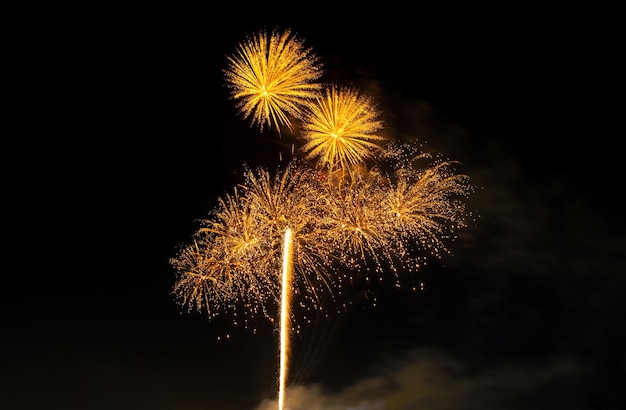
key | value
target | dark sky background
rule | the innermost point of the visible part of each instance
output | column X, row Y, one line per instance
column 121, row 136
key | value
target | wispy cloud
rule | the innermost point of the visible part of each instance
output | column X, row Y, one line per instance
column 433, row 380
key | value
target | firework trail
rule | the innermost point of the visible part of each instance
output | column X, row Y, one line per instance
column 285, row 323
column 286, row 234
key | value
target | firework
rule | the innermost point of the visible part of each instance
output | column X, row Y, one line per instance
column 395, row 217
column 193, row 287
column 237, row 253
column 339, row 129
column 293, row 199
column 227, row 266
column 310, row 222
column 273, row 75
column 426, row 206
column 389, row 217
column 352, row 219
column 425, row 199
column 285, row 315
column 288, row 234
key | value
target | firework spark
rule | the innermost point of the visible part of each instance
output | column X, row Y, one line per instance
column 273, row 75
column 339, row 129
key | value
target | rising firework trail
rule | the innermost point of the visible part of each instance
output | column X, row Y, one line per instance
column 286, row 234
column 285, row 316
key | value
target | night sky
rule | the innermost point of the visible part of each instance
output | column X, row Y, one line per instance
column 122, row 136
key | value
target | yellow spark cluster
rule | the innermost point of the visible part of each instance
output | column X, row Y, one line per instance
column 273, row 75
column 220, row 267
column 236, row 254
column 395, row 217
column 339, row 129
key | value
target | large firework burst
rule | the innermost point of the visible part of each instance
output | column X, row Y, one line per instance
column 390, row 217
column 308, row 223
column 339, row 129
column 396, row 216
column 235, row 258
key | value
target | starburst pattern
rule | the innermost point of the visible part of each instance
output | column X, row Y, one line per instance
column 398, row 216
column 339, row 129
column 273, row 75
column 219, row 270
column 352, row 219
column 426, row 205
column 293, row 199
column 236, row 256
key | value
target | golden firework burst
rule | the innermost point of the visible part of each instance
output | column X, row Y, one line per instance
column 228, row 265
column 424, row 207
column 236, row 256
column 339, row 129
column 273, row 75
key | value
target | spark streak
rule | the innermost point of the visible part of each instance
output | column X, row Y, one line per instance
column 285, row 315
